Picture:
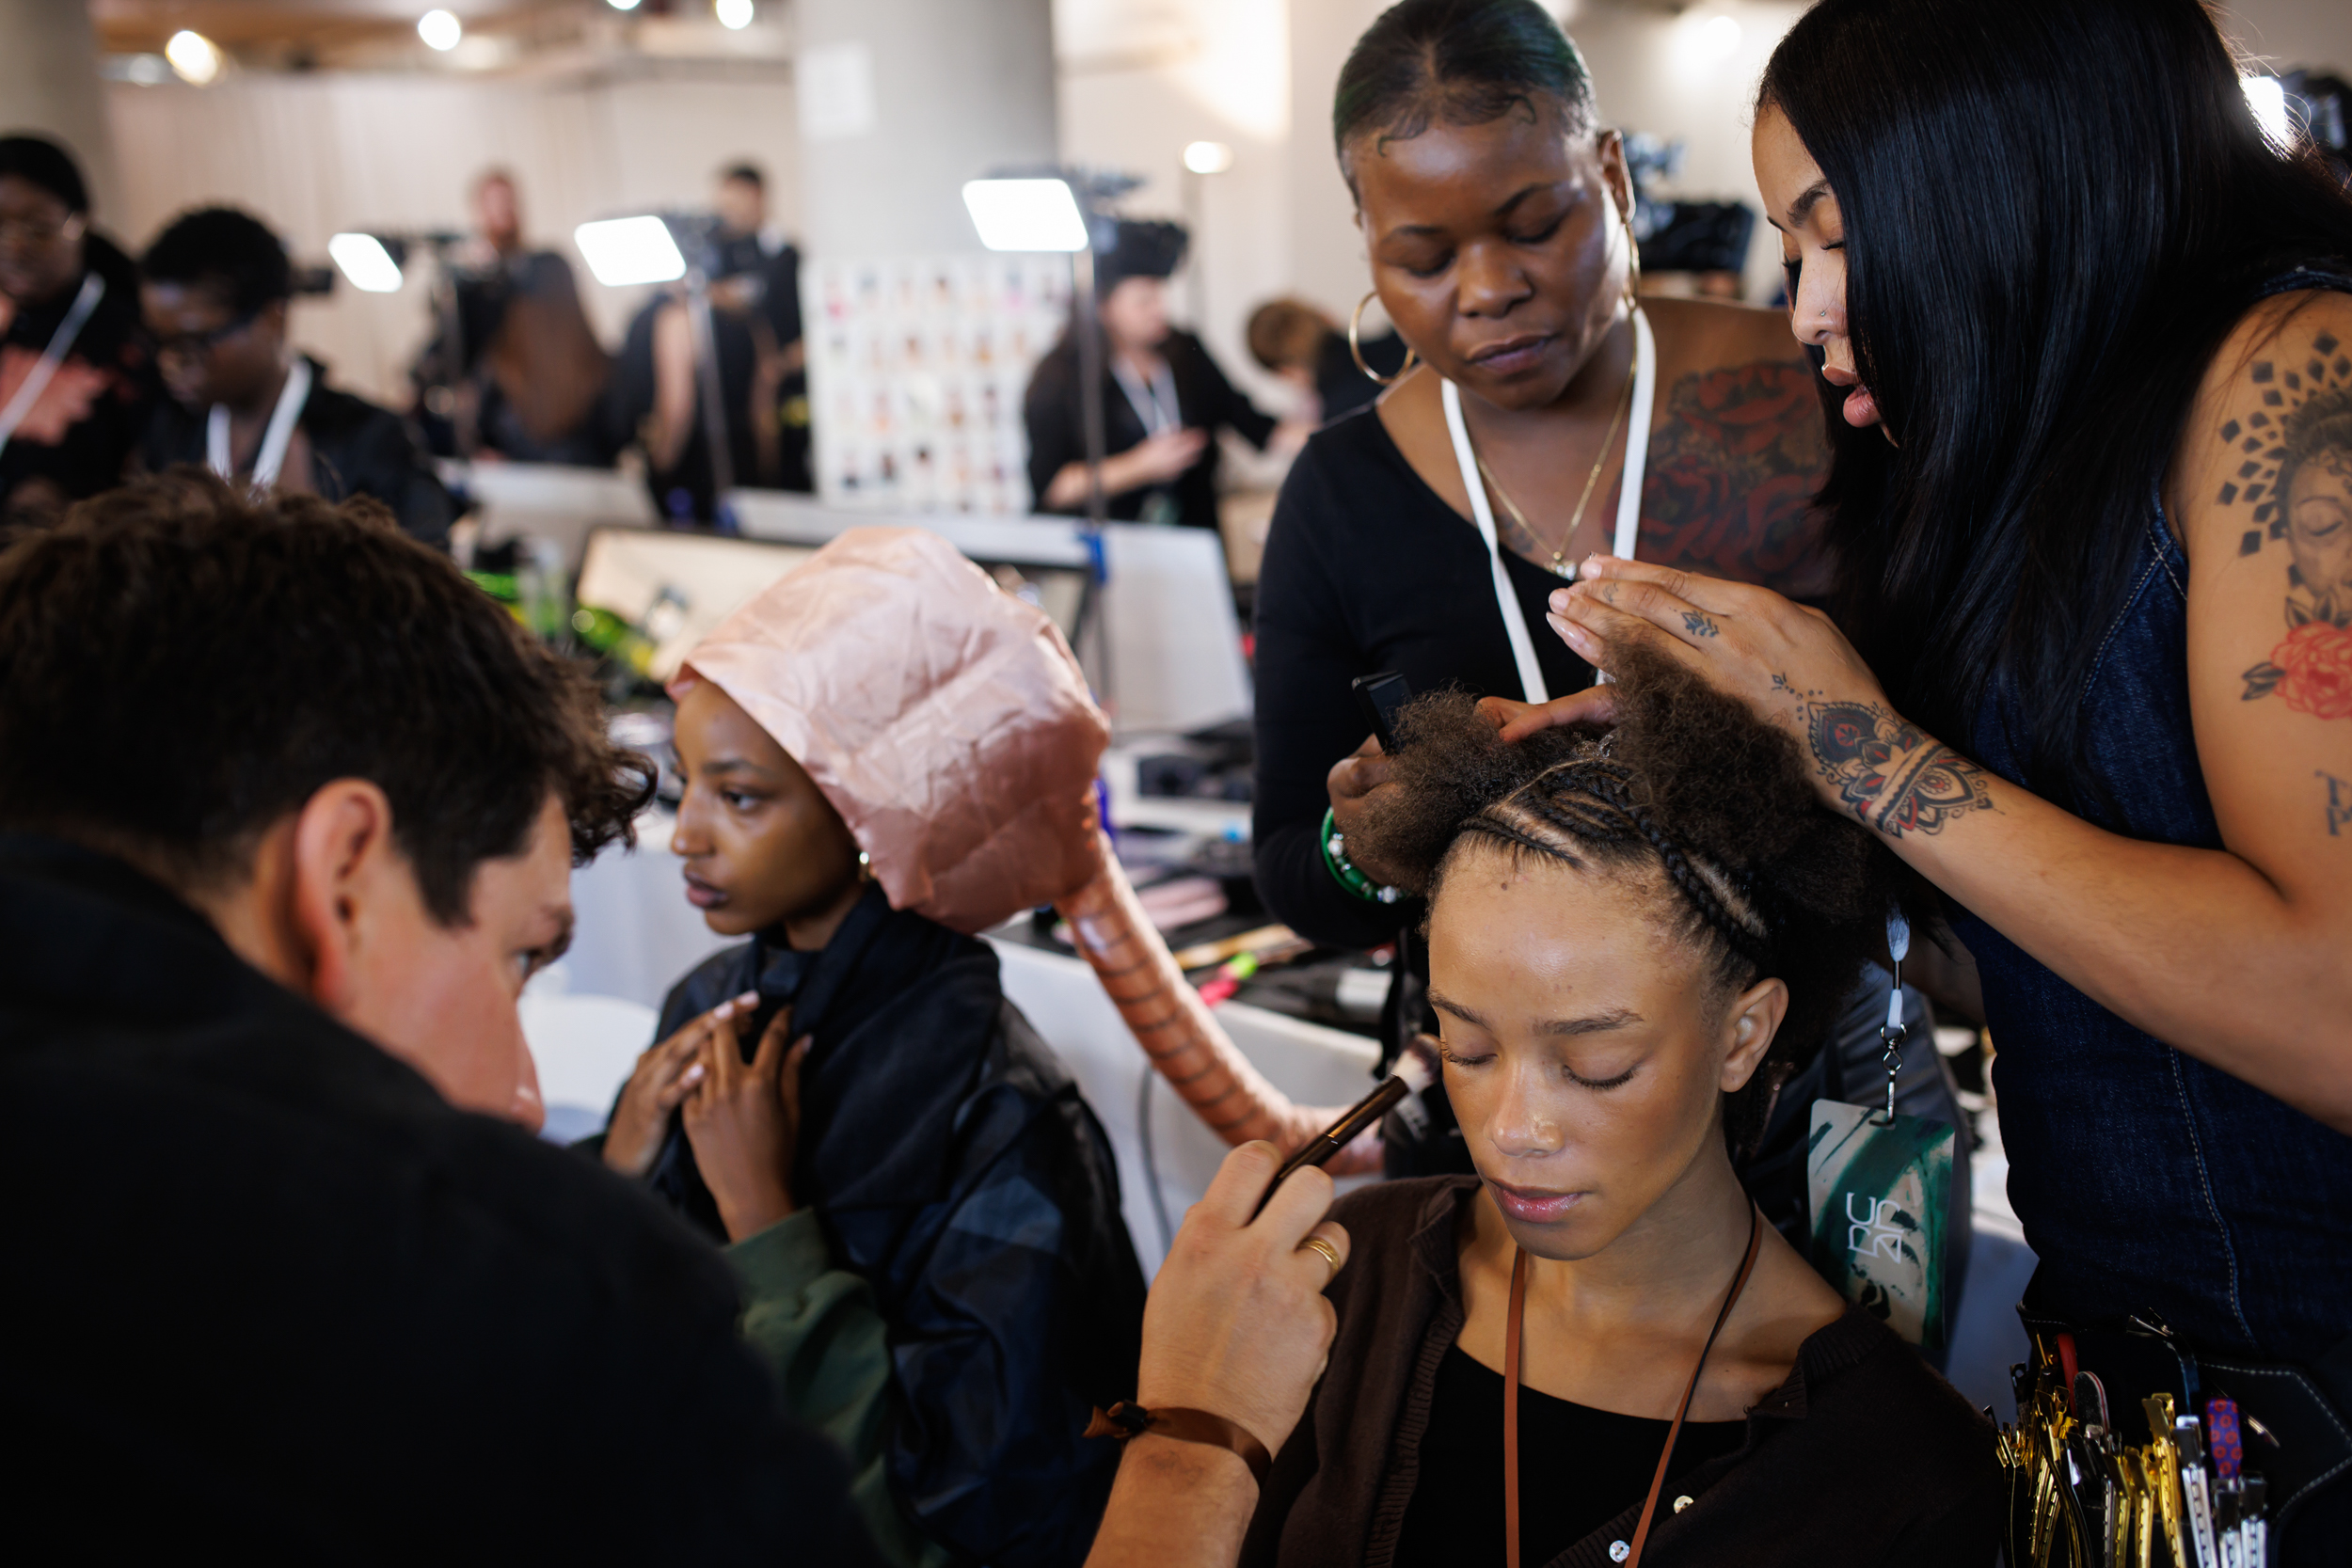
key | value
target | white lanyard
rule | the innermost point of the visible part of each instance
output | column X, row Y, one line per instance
column 60, row 344
column 275, row 440
column 1629, row 498
column 1154, row 404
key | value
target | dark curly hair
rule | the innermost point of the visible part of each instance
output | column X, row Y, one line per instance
column 234, row 253
column 188, row 664
column 1690, row 784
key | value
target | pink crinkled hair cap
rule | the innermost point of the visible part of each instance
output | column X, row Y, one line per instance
column 945, row 719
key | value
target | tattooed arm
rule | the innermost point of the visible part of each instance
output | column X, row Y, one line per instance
column 2236, row 955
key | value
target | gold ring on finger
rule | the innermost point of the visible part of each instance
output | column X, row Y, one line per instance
column 1324, row 1250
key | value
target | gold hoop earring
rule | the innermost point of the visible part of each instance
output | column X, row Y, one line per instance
column 1632, row 265
column 1356, row 348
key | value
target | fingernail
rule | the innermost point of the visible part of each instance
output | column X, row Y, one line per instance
column 693, row 1074
column 1561, row 598
column 749, row 999
column 724, row 1009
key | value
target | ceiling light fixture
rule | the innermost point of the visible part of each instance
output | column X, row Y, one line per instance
column 193, row 56
column 440, row 31
column 735, row 15
column 622, row 4
column 1208, row 157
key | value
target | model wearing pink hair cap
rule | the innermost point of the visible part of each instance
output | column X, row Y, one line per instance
column 944, row 718
column 949, row 725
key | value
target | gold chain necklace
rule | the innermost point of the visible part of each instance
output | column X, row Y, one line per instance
column 1558, row 565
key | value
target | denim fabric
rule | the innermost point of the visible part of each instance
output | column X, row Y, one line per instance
column 2146, row 1180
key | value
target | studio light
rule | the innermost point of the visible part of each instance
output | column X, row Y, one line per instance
column 1208, row 157
column 623, row 252
column 440, row 31
column 369, row 267
column 622, row 4
column 192, row 55
column 1719, row 37
column 735, row 15
column 2267, row 97
column 1025, row 215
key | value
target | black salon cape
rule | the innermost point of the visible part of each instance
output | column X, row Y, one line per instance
column 268, row 1295
column 952, row 1163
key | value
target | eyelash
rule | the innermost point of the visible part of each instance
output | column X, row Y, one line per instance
column 1537, row 238
column 1447, row 1053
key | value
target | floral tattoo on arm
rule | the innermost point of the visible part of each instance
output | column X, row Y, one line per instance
column 1890, row 773
column 2294, row 482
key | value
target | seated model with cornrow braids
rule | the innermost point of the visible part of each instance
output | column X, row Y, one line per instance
column 1633, row 939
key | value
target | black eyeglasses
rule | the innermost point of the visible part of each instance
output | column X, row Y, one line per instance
column 196, row 345
column 24, row 232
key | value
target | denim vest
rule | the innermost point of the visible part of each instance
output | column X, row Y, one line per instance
column 2147, row 1180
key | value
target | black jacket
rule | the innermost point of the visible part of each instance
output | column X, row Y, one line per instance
column 356, row 448
column 1055, row 415
column 952, row 1163
column 268, row 1295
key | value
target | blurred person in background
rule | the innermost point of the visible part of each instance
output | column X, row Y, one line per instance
column 759, row 282
column 526, row 378
column 1305, row 347
column 1164, row 399
column 76, row 373
column 659, row 390
column 215, row 286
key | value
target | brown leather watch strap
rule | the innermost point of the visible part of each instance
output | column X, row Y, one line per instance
column 1123, row 1422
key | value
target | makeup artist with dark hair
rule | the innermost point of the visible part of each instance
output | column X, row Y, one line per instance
column 76, row 376
column 1164, row 399
column 2093, row 519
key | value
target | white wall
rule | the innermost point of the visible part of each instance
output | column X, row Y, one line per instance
column 1137, row 79
column 314, row 154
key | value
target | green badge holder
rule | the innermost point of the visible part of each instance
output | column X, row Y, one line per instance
column 1878, row 1184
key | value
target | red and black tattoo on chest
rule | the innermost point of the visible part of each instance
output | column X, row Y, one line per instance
column 1731, row 478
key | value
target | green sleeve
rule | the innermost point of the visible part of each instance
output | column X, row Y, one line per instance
column 816, row 1328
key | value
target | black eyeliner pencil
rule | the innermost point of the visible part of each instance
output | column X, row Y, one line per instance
column 1338, row 1136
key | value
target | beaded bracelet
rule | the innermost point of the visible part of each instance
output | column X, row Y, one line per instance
column 1335, row 860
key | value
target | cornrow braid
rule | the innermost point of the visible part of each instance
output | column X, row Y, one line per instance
column 1764, row 881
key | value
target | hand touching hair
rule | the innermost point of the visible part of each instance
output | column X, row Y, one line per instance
column 1755, row 877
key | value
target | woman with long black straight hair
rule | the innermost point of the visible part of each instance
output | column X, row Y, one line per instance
column 2089, row 336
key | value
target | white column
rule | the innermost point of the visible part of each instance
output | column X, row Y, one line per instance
column 900, row 103
column 49, row 86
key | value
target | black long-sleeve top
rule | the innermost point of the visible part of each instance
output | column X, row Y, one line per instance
column 356, row 448
column 1366, row 569
column 1204, row 399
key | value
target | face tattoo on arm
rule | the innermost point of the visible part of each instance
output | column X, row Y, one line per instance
column 2296, row 485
